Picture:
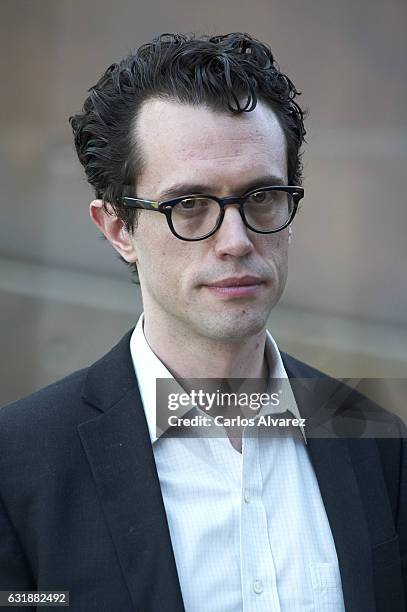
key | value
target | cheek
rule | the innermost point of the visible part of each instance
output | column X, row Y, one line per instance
column 162, row 258
column 274, row 247
column 150, row 240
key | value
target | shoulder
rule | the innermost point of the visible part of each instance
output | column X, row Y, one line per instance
column 53, row 406
column 70, row 399
column 376, row 437
column 352, row 395
column 40, row 445
column 350, row 409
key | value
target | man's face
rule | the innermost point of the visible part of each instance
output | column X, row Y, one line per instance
column 220, row 154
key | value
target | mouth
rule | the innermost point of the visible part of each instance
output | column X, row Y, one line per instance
column 244, row 286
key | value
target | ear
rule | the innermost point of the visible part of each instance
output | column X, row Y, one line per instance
column 114, row 229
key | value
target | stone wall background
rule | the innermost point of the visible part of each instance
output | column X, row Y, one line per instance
column 66, row 298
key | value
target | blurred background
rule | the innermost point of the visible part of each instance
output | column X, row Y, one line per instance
column 65, row 296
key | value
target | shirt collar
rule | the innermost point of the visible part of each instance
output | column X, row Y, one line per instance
column 148, row 368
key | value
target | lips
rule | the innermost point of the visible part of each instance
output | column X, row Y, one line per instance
column 236, row 287
column 243, row 281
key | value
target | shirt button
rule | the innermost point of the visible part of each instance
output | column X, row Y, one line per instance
column 246, row 496
column 258, row 587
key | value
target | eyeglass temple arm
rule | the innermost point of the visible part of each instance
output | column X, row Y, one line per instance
column 139, row 203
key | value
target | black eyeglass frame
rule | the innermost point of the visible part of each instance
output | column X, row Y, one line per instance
column 165, row 207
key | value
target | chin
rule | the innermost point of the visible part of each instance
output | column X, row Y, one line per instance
column 233, row 328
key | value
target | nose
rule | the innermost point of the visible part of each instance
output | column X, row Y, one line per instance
column 232, row 237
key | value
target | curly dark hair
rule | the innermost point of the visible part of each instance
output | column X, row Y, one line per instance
column 227, row 73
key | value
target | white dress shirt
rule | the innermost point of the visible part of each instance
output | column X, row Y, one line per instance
column 249, row 530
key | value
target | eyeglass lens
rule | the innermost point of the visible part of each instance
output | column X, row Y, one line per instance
column 264, row 211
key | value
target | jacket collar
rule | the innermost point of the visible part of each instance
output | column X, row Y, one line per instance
column 111, row 377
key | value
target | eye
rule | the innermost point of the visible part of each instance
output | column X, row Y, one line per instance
column 193, row 204
column 189, row 203
column 262, row 197
column 259, row 197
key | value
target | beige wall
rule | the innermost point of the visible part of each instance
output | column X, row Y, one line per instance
column 345, row 306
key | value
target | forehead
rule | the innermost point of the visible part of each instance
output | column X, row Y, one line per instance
column 185, row 143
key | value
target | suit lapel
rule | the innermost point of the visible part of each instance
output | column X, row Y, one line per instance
column 338, row 485
column 119, row 452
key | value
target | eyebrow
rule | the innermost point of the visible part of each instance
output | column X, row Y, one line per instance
column 181, row 189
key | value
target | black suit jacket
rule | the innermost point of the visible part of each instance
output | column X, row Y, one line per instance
column 81, row 506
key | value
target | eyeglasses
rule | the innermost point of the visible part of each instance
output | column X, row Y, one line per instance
column 265, row 210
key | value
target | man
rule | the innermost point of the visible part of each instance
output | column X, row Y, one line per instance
column 193, row 148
